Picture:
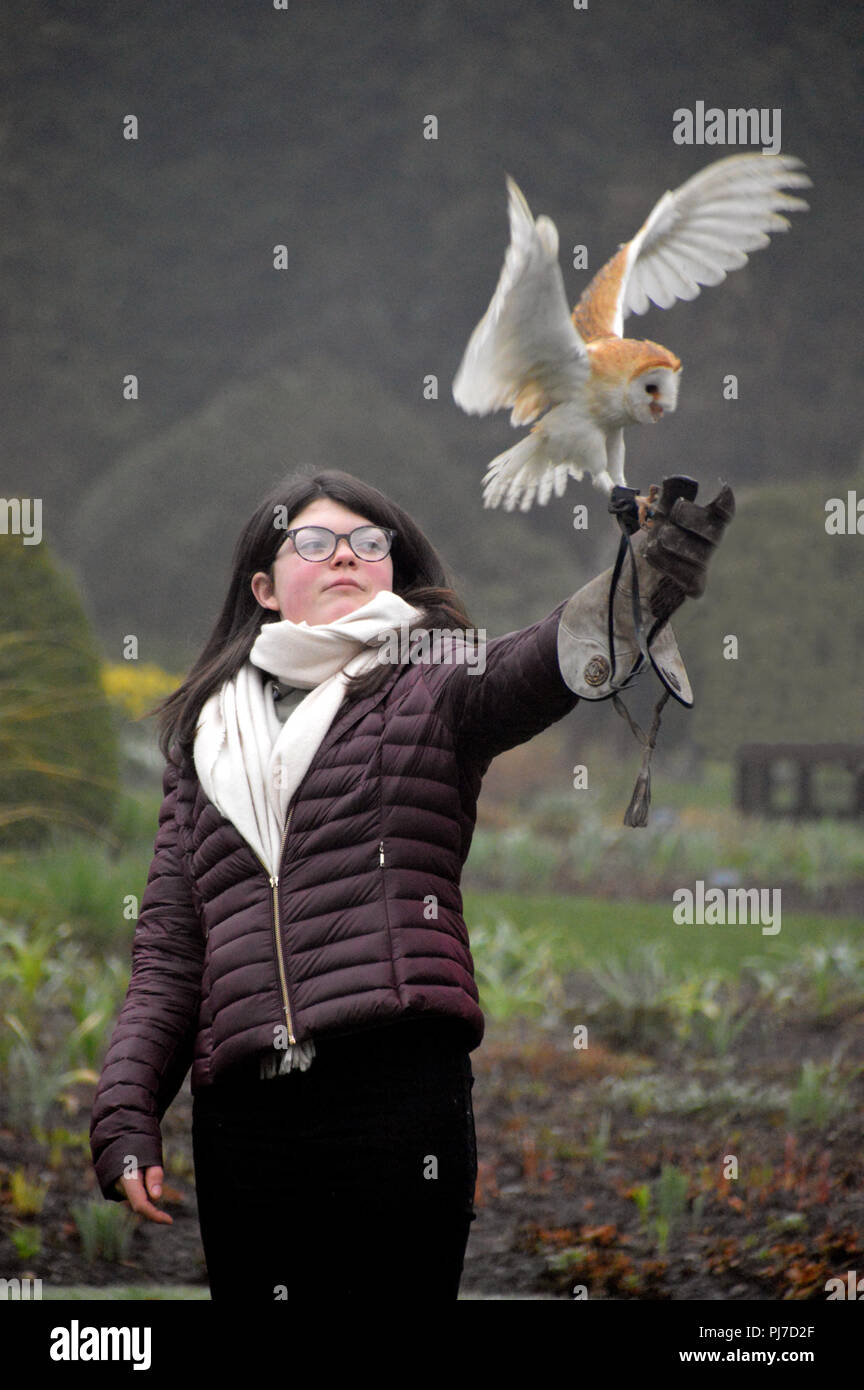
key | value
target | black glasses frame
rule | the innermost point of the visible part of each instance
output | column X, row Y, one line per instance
column 345, row 536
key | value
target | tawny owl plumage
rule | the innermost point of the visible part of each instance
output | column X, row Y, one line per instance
column 528, row 353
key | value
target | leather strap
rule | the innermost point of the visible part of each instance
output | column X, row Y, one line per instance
column 622, row 505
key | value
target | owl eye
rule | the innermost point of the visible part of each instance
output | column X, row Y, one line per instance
column 652, row 390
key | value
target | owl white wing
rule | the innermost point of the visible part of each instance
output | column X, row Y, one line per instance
column 525, row 352
column 694, row 236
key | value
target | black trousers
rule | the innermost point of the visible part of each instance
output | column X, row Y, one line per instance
column 354, row 1179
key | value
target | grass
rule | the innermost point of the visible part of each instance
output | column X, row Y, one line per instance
column 574, row 839
column 582, row 931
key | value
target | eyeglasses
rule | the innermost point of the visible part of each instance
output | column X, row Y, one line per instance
column 319, row 542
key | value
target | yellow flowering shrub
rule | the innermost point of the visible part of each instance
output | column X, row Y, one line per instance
column 134, row 687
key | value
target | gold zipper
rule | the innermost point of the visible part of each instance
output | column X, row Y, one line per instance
column 274, row 888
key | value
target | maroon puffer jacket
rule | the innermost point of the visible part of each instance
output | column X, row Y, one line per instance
column 347, row 939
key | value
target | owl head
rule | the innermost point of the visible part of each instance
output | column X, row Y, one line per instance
column 653, row 388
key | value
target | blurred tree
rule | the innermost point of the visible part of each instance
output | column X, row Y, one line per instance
column 58, row 754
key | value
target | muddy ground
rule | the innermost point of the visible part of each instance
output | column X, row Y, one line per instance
column 564, row 1165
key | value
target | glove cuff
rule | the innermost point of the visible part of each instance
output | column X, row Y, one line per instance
column 583, row 645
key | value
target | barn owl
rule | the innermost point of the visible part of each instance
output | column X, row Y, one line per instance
column 529, row 353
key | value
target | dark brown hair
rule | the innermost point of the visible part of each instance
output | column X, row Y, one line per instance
column 419, row 577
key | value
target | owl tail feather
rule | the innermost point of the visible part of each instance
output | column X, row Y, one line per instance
column 522, row 472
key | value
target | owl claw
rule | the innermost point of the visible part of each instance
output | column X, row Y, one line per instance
column 645, row 508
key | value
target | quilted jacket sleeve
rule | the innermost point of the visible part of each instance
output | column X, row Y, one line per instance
column 519, row 692
column 152, row 1044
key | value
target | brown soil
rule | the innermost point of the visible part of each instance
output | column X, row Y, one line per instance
column 554, row 1211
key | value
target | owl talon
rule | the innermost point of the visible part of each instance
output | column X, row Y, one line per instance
column 645, row 508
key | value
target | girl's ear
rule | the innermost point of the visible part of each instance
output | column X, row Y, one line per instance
column 262, row 588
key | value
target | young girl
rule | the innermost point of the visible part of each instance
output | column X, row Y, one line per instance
column 300, row 942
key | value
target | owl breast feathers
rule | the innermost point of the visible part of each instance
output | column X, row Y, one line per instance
column 530, row 355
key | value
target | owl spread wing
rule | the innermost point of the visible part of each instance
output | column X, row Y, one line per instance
column 693, row 237
column 525, row 352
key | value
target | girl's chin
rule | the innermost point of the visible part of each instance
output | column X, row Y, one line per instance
column 337, row 603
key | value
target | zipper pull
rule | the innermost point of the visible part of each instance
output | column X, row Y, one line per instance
column 274, row 882
column 381, row 854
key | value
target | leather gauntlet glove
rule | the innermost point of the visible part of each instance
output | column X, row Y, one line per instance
column 671, row 561
column 680, row 544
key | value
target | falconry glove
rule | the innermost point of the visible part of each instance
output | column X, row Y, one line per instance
column 670, row 562
column 680, row 544
column 617, row 623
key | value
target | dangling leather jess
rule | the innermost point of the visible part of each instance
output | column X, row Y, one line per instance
column 623, row 506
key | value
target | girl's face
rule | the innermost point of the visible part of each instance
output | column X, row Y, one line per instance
column 316, row 590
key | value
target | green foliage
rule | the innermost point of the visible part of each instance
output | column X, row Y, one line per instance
column 660, row 1093
column 79, row 884
column 48, row 982
column 515, row 972
column 832, row 977
column 662, row 1205
column 644, row 1002
column 136, row 819
column 37, row 1076
column 58, row 754
column 56, row 1006
column 27, row 1241
column 598, row 1143
column 642, row 1197
column 599, row 855
column 61, row 1140
column 515, row 857
column 106, row 1229
column 27, row 1196
column 817, row 1098
column 818, row 981
column 633, row 1008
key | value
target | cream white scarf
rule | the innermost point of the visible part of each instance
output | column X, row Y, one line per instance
column 248, row 762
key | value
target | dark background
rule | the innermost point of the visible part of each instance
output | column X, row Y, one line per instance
column 305, row 127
